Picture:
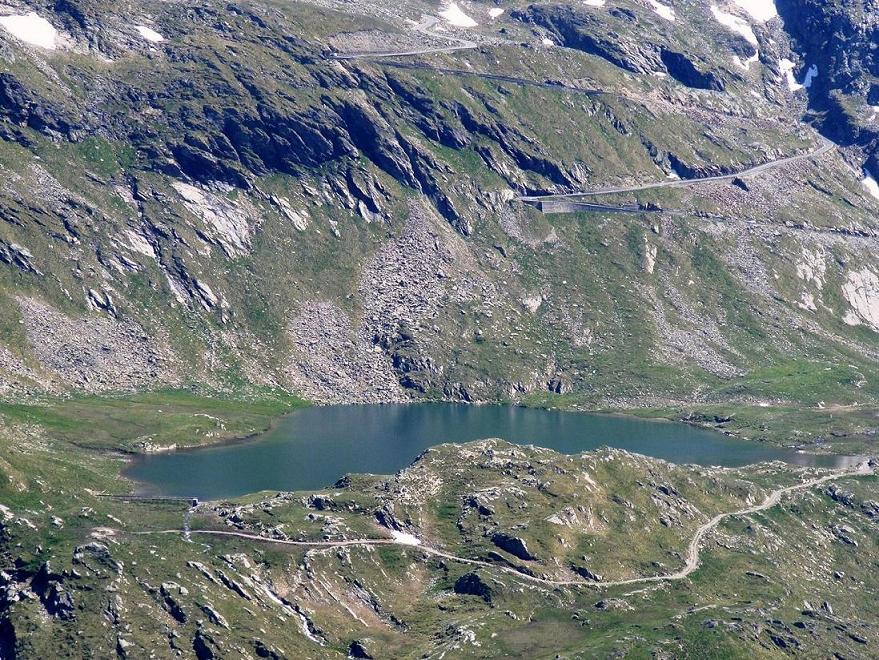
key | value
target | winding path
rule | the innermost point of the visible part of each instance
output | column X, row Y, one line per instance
column 693, row 549
column 463, row 44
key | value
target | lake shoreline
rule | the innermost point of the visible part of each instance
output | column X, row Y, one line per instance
column 314, row 446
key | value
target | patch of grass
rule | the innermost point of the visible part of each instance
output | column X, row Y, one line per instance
column 158, row 419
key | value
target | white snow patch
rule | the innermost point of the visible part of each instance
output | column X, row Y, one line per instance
column 494, row 12
column 870, row 184
column 759, row 10
column 663, row 10
column 547, row 42
column 149, row 34
column 862, row 293
column 746, row 65
column 405, row 538
column 456, row 16
column 594, row 3
column 31, row 29
column 738, row 25
column 787, row 69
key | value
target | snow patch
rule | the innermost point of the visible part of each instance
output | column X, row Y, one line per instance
column 787, row 69
column 759, row 10
column 404, row 538
column 663, row 10
column 741, row 27
column 547, row 42
column 149, row 34
column 456, row 16
column 870, row 184
column 594, row 3
column 494, row 12
column 746, row 65
column 861, row 291
column 32, row 29
column 738, row 25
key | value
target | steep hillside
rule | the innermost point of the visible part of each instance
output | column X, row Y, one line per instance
column 239, row 195
column 212, row 213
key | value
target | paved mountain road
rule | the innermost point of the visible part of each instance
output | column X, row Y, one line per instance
column 826, row 146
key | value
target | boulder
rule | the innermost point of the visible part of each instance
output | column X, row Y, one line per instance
column 472, row 584
column 513, row 544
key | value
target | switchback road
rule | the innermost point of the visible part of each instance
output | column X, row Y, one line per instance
column 692, row 558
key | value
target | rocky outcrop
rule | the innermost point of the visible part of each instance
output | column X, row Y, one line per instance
column 513, row 544
column 56, row 599
column 17, row 256
column 358, row 649
column 578, row 29
column 839, row 39
column 681, row 68
column 205, row 647
column 472, row 584
column 584, row 572
column 170, row 592
column 20, row 106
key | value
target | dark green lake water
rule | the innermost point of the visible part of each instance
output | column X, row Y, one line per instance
column 313, row 447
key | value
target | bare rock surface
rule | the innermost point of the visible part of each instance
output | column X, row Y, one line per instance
column 333, row 363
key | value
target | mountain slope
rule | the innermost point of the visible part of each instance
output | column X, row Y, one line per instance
column 225, row 202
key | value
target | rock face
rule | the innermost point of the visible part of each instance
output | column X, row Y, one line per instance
column 170, row 591
column 22, row 107
column 472, row 584
column 351, row 229
column 838, row 38
column 578, row 29
column 512, row 544
column 57, row 601
column 586, row 573
column 681, row 68
column 18, row 256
